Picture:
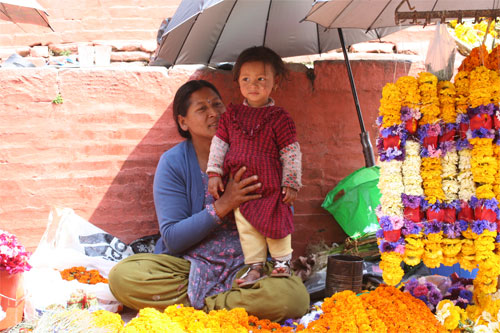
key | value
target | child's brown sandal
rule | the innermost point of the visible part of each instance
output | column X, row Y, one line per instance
column 246, row 280
column 281, row 268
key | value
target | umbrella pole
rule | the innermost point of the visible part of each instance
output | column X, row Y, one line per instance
column 365, row 138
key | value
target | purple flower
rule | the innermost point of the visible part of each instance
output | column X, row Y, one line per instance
column 386, row 246
column 411, row 201
column 478, row 226
column 497, row 239
column 491, row 226
column 463, row 225
column 447, row 146
column 406, row 113
column 462, row 118
column 385, row 223
column 379, row 233
column 435, row 296
column 491, row 204
column 411, row 284
column 410, row 228
column 432, row 227
column 423, row 298
column 463, row 144
column 483, row 133
column 451, row 230
column 475, row 202
column 466, row 294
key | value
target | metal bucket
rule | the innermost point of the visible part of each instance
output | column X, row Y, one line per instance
column 343, row 272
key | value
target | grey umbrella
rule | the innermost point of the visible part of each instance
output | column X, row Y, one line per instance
column 210, row 32
column 373, row 14
column 216, row 31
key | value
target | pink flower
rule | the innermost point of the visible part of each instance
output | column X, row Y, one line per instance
column 420, row 290
column 13, row 256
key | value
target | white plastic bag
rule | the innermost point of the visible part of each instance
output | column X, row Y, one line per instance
column 68, row 241
column 440, row 59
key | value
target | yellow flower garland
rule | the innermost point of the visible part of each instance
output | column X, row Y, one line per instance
column 414, row 249
column 390, row 263
column 431, row 171
column 390, row 105
column 433, row 253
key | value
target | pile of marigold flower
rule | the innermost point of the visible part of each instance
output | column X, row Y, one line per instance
column 439, row 147
column 82, row 275
column 386, row 309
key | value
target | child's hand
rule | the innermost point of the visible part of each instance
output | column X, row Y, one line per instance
column 290, row 195
column 214, row 186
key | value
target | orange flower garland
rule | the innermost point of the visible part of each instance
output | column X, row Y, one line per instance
column 81, row 274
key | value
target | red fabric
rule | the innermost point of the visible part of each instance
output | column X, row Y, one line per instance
column 485, row 214
column 435, row 215
column 463, row 130
column 496, row 122
column 431, row 141
column 450, row 215
column 466, row 213
column 392, row 141
column 392, row 235
column 255, row 137
column 411, row 125
column 413, row 214
column 448, row 136
column 481, row 120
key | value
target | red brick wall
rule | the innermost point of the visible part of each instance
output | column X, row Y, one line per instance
column 88, row 20
column 97, row 151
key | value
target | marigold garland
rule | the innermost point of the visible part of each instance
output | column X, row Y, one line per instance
column 81, row 274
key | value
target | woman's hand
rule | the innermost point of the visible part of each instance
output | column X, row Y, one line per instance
column 237, row 191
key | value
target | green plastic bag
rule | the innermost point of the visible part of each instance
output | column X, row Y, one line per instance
column 354, row 200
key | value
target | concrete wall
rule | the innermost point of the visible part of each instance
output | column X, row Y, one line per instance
column 97, row 151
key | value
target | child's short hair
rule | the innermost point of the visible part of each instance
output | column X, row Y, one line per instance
column 262, row 54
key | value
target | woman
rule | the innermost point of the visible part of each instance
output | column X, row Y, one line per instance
column 198, row 254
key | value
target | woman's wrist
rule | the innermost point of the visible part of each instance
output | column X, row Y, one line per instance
column 217, row 212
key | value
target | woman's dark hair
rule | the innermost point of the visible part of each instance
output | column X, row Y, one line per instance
column 261, row 54
column 182, row 101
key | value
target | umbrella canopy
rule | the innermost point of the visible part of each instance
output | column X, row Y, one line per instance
column 374, row 14
column 216, row 31
column 24, row 11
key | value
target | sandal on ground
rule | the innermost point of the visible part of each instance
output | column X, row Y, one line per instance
column 254, row 273
column 281, row 268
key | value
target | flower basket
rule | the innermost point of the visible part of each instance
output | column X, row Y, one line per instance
column 392, row 235
column 11, row 298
